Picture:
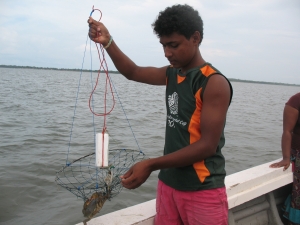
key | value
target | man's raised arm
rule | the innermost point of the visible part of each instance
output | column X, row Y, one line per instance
column 150, row 75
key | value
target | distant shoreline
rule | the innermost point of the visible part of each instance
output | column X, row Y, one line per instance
column 49, row 68
column 117, row 72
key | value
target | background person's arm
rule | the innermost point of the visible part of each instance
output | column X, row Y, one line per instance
column 290, row 116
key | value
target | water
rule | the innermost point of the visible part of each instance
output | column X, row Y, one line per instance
column 36, row 110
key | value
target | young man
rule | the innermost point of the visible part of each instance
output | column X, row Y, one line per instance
column 191, row 187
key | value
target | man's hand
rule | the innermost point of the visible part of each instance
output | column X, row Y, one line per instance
column 285, row 163
column 98, row 32
column 136, row 175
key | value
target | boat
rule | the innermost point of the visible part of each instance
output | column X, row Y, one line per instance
column 255, row 196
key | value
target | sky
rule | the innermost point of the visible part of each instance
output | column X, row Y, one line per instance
column 250, row 40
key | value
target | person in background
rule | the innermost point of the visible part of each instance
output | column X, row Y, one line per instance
column 191, row 188
column 290, row 145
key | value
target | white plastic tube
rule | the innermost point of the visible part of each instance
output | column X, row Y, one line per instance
column 102, row 141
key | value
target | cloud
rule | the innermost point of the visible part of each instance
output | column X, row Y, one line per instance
column 10, row 37
column 53, row 33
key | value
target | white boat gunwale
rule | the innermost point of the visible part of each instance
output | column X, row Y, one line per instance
column 242, row 187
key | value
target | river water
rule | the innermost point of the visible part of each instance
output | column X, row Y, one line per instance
column 36, row 117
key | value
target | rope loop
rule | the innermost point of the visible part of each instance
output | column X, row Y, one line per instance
column 93, row 10
column 108, row 85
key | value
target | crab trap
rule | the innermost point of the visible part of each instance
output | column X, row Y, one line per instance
column 83, row 178
column 98, row 171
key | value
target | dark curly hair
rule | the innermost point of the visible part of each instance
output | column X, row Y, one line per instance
column 182, row 19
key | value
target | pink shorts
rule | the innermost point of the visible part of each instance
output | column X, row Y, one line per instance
column 205, row 207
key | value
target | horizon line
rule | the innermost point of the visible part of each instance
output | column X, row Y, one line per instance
column 116, row 71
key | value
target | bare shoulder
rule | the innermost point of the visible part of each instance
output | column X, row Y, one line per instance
column 217, row 87
column 290, row 115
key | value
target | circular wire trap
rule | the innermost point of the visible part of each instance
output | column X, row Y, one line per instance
column 83, row 178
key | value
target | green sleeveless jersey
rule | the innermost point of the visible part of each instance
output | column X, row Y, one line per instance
column 184, row 103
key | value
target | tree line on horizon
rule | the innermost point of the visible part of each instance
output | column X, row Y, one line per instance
column 117, row 72
column 50, row 68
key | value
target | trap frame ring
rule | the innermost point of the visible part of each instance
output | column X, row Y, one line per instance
column 82, row 178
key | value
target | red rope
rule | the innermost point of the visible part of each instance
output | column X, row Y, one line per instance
column 108, row 85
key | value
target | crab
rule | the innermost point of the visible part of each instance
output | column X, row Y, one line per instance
column 94, row 204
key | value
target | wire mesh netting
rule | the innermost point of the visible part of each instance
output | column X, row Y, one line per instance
column 82, row 178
